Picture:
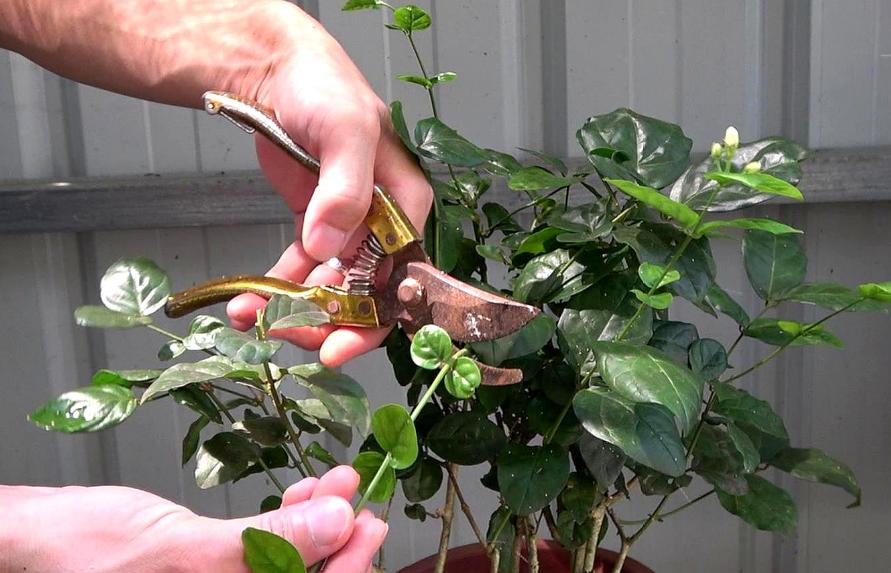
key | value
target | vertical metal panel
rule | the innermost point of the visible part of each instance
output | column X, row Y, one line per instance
column 10, row 151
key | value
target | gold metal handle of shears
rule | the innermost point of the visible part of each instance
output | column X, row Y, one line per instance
column 345, row 309
column 385, row 219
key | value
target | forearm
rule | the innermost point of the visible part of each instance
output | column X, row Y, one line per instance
column 164, row 50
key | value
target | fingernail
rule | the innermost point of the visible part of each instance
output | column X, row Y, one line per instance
column 328, row 241
column 327, row 521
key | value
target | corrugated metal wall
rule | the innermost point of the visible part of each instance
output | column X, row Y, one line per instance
column 529, row 73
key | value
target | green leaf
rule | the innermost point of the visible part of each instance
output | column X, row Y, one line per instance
column 285, row 312
column 766, row 225
column 708, row 358
column 762, row 182
column 656, row 276
column 125, row 378
column 183, row 374
column 170, row 350
column 242, row 347
column 658, row 301
column 779, row 332
column 443, row 77
column 876, row 291
column 750, row 456
column 645, row 432
column 718, row 298
column 652, row 151
column 223, row 458
column 424, row 482
column 366, row 465
column 316, row 451
column 538, row 179
column 674, row 339
column 529, row 339
column 774, row 264
column 192, row 438
column 582, row 224
column 657, row 243
column 753, row 416
column 603, row 459
column 198, row 401
column 411, row 18
column 644, row 374
column 265, row 430
column 202, row 332
column 498, row 218
column 492, row 252
column 687, row 217
column 415, row 511
column 359, row 5
column 501, row 534
column 398, row 118
column 778, row 157
column 832, row 297
column 270, row 503
column 550, row 160
column 87, row 409
column 765, row 506
column 395, row 432
column 539, row 242
column 439, row 142
column 431, row 347
column 466, row 438
column 266, row 552
column 344, row 398
column 717, row 458
column 134, row 286
column 100, row 317
column 552, row 277
column 814, row 465
column 530, row 477
column 463, row 379
column 419, row 80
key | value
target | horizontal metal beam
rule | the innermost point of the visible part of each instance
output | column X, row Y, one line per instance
column 244, row 198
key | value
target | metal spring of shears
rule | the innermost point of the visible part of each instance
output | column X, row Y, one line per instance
column 362, row 274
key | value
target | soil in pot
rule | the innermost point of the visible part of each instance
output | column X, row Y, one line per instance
column 551, row 557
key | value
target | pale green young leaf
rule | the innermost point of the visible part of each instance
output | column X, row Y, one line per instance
column 761, row 182
column 134, row 286
column 687, row 217
column 101, row 317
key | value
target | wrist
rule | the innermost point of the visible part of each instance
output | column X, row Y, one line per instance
column 15, row 542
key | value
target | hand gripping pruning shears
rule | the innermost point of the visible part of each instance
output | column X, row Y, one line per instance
column 416, row 293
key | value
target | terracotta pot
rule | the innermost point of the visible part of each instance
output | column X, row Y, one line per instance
column 551, row 558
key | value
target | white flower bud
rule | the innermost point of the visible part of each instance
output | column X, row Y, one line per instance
column 731, row 138
column 753, row 167
column 717, row 150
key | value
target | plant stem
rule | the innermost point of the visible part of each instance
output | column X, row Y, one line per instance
column 445, row 535
column 556, row 426
column 686, row 505
column 452, row 470
column 234, row 393
column 594, row 540
column 742, row 330
column 385, row 516
column 532, row 548
column 166, row 333
column 623, row 555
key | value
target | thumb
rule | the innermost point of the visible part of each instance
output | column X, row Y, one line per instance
column 341, row 200
column 317, row 528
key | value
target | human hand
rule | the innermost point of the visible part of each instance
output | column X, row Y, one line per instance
column 327, row 106
column 113, row 529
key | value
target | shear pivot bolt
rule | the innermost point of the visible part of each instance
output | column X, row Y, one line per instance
column 333, row 307
column 410, row 292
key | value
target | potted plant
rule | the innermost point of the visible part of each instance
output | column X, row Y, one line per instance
column 617, row 399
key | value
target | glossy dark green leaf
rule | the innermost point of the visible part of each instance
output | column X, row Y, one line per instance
column 126, row 378
column 170, row 350
column 717, row 298
column 463, row 379
column 439, row 142
column 183, row 374
column 657, row 243
column 789, row 332
column 415, row 511
column 644, row 148
column 367, row 465
column 750, row 456
column 223, row 458
column 270, row 503
column 87, row 409
column 266, row 552
column 539, row 242
column 466, row 438
column 530, row 477
column 643, row 374
column 265, row 430
column 552, row 277
column 134, row 286
column 816, row 466
column 778, row 157
column 286, row 312
column 765, row 506
column 395, row 433
column 708, row 358
column 273, row 457
column 603, row 459
column 316, row 451
column 492, row 252
column 193, row 438
column 398, row 118
column 685, row 216
column 499, row 218
column 501, row 534
column 198, row 401
column 500, row 164
column 424, row 482
column 431, row 347
column 243, row 347
column 344, row 398
column 775, row 264
column 581, row 224
column 538, row 179
column 753, row 416
column 410, row 18
column 674, row 339
column 645, row 432
column 717, row 458
column 101, row 317
column 761, row 182
column 542, row 415
column 832, row 296
column 530, row 338
column 552, row 161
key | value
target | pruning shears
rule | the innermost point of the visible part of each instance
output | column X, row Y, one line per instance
column 416, row 293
